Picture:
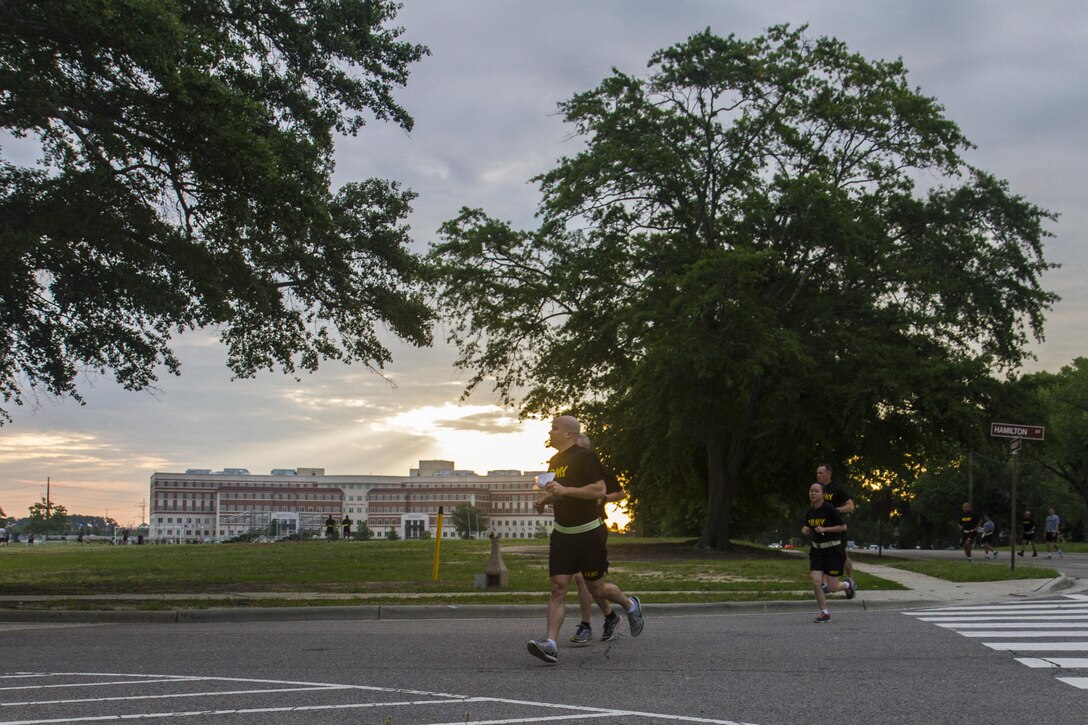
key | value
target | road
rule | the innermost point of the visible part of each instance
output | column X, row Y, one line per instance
column 875, row 666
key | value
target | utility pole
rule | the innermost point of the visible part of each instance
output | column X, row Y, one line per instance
column 143, row 511
column 48, row 505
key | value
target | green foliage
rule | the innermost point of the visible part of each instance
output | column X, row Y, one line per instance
column 392, row 534
column 184, row 182
column 737, row 274
column 362, row 532
column 47, row 518
column 468, row 519
column 1059, row 402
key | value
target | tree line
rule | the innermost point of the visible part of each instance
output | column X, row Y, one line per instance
column 766, row 253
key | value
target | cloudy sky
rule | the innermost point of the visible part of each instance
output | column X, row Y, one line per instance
column 1011, row 74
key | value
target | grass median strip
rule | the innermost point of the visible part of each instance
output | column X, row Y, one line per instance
column 399, row 572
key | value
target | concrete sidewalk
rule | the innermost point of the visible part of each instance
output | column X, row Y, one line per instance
column 925, row 590
column 922, row 591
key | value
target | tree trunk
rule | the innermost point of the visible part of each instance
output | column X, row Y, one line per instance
column 724, row 472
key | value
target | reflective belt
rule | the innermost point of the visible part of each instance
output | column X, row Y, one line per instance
column 826, row 544
column 581, row 529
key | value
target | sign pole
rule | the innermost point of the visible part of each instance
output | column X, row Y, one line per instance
column 1018, row 432
column 437, row 546
column 1015, row 447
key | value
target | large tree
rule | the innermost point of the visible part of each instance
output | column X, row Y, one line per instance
column 1059, row 401
column 469, row 520
column 47, row 518
column 766, row 251
column 184, row 181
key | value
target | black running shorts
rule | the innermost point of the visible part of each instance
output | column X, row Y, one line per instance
column 829, row 561
column 586, row 553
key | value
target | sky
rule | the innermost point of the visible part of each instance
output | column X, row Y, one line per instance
column 1011, row 74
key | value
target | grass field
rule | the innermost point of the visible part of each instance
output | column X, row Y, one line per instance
column 666, row 570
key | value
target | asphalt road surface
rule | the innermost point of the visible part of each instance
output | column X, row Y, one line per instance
column 876, row 666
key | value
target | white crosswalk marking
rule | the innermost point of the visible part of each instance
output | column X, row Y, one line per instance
column 1057, row 625
column 1066, row 663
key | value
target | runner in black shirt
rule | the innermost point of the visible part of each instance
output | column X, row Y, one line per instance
column 824, row 523
column 837, row 496
column 584, row 633
column 1027, row 534
column 578, row 539
column 969, row 522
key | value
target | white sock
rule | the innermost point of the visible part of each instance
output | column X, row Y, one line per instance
column 553, row 644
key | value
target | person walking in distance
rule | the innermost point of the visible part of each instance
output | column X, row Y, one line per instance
column 577, row 542
column 824, row 524
column 330, row 528
column 584, row 633
column 969, row 523
column 1051, row 528
column 838, row 497
column 1027, row 534
column 345, row 527
column 987, row 538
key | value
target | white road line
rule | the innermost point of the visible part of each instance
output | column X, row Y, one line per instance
column 1040, row 646
column 1070, row 663
column 1009, row 618
column 1025, row 608
column 581, row 712
column 184, row 678
column 1013, row 625
column 162, row 696
column 575, row 711
column 1080, row 682
column 1022, row 633
column 98, row 684
column 240, row 711
column 1039, row 633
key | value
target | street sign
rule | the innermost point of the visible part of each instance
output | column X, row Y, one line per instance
column 1014, row 445
column 1015, row 430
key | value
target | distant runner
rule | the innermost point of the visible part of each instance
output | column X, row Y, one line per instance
column 969, row 522
column 824, row 523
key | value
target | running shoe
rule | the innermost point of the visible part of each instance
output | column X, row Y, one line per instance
column 544, row 650
column 610, row 623
column 582, row 635
column 851, row 588
column 1035, row 553
column 1048, row 556
column 824, row 617
column 635, row 619
column 825, row 587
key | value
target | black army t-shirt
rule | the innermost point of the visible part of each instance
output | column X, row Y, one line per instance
column 576, row 467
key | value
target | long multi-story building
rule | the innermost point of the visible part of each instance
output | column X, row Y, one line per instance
column 202, row 505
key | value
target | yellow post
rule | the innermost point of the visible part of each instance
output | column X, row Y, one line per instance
column 437, row 545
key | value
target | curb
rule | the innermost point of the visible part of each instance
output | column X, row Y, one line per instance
column 408, row 611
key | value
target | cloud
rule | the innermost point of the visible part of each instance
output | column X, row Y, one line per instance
column 490, row 421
